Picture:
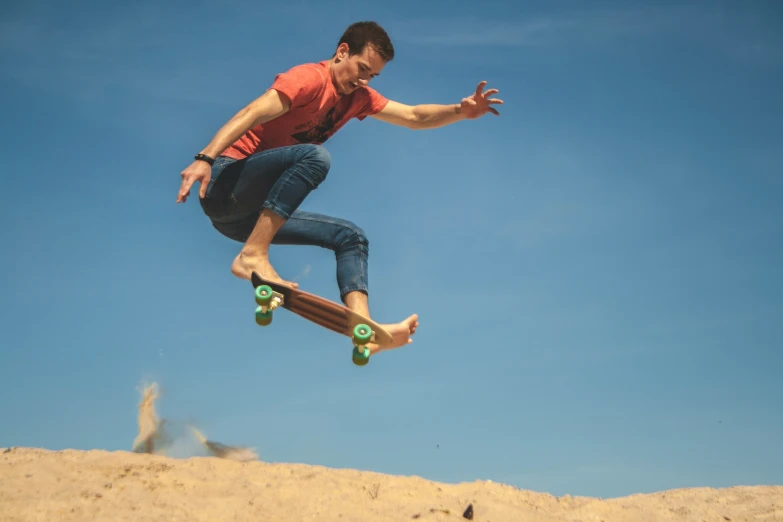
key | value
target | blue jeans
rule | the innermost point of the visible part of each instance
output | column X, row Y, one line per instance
column 280, row 179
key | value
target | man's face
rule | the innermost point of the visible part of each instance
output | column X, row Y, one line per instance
column 355, row 71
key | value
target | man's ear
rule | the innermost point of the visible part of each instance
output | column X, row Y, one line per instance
column 342, row 51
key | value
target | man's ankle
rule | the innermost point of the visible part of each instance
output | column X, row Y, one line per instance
column 254, row 252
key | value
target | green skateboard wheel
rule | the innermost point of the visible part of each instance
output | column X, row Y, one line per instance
column 362, row 334
column 264, row 295
column 262, row 318
column 361, row 358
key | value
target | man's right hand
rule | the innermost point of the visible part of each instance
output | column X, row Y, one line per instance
column 197, row 171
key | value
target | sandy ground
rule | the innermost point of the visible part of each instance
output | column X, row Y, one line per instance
column 233, row 483
column 116, row 486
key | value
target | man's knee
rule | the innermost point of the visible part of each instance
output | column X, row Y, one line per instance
column 352, row 236
column 318, row 161
column 320, row 155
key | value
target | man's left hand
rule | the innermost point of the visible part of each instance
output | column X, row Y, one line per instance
column 479, row 103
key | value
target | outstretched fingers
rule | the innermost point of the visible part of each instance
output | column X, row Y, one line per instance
column 485, row 97
column 494, row 101
column 480, row 87
column 184, row 190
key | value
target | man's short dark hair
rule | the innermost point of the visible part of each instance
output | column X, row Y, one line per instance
column 361, row 34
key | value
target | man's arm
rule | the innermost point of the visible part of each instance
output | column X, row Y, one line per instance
column 418, row 117
column 430, row 116
column 266, row 107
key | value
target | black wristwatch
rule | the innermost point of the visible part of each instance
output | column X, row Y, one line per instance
column 204, row 157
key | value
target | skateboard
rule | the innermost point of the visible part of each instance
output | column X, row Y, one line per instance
column 323, row 312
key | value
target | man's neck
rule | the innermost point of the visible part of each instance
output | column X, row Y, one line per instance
column 331, row 63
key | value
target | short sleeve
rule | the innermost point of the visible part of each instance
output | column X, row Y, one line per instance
column 374, row 104
column 301, row 84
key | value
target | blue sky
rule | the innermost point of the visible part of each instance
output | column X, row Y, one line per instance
column 619, row 230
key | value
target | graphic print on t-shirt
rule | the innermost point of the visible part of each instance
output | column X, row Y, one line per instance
column 321, row 131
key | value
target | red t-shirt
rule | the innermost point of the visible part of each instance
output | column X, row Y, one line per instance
column 317, row 111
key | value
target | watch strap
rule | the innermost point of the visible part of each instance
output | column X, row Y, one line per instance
column 204, row 157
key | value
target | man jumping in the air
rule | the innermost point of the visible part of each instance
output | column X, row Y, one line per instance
column 264, row 162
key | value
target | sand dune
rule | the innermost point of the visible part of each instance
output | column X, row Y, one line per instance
column 231, row 483
column 54, row 486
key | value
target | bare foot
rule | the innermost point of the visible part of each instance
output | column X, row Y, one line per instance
column 244, row 265
column 401, row 334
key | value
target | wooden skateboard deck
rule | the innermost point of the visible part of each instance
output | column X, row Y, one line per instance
column 323, row 312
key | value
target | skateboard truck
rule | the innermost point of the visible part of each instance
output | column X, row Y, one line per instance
column 362, row 334
column 267, row 300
